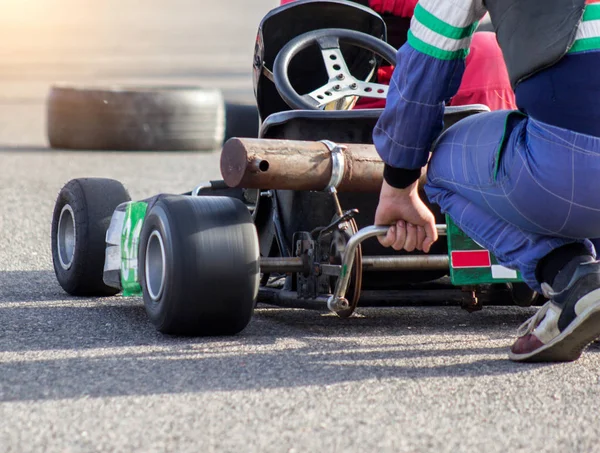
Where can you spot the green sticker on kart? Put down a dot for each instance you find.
(130, 241)
(471, 264)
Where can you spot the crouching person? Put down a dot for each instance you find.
(522, 183)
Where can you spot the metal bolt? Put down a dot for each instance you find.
(340, 76)
(354, 86)
(337, 87)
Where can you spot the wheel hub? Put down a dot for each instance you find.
(66, 236)
(155, 265)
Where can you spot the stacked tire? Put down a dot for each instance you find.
(145, 119)
(135, 118)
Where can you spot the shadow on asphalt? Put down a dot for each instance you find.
(68, 347)
(23, 286)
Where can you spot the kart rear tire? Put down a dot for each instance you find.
(241, 120)
(81, 217)
(199, 265)
(135, 118)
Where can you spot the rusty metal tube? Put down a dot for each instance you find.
(298, 165)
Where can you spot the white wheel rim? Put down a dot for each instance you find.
(155, 265)
(66, 237)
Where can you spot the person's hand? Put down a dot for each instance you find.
(412, 223)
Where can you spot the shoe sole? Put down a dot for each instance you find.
(569, 345)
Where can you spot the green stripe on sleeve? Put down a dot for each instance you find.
(592, 12)
(581, 45)
(441, 27)
(435, 52)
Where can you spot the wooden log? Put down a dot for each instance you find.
(298, 165)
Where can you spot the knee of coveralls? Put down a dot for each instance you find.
(462, 182)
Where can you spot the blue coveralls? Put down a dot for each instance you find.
(521, 183)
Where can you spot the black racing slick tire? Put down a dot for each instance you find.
(241, 120)
(135, 118)
(81, 217)
(199, 265)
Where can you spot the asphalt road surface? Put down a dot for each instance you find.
(87, 375)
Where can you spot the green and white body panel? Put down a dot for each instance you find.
(471, 264)
(122, 247)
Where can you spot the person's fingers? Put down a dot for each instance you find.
(432, 236)
(389, 238)
(427, 243)
(411, 237)
(400, 235)
(421, 235)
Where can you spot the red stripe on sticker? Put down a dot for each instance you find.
(471, 258)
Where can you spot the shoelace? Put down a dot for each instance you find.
(529, 326)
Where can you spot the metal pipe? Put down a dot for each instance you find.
(290, 299)
(405, 263)
(338, 298)
(370, 264)
(426, 296)
(300, 165)
(282, 265)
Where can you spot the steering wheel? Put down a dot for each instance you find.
(341, 83)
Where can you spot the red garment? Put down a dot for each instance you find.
(485, 80)
(402, 8)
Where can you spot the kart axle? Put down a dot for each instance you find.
(282, 265)
(370, 264)
(405, 263)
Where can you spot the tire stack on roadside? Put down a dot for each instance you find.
(145, 118)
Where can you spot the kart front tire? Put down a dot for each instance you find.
(199, 265)
(81, 217)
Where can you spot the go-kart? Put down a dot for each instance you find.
(290, 223)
